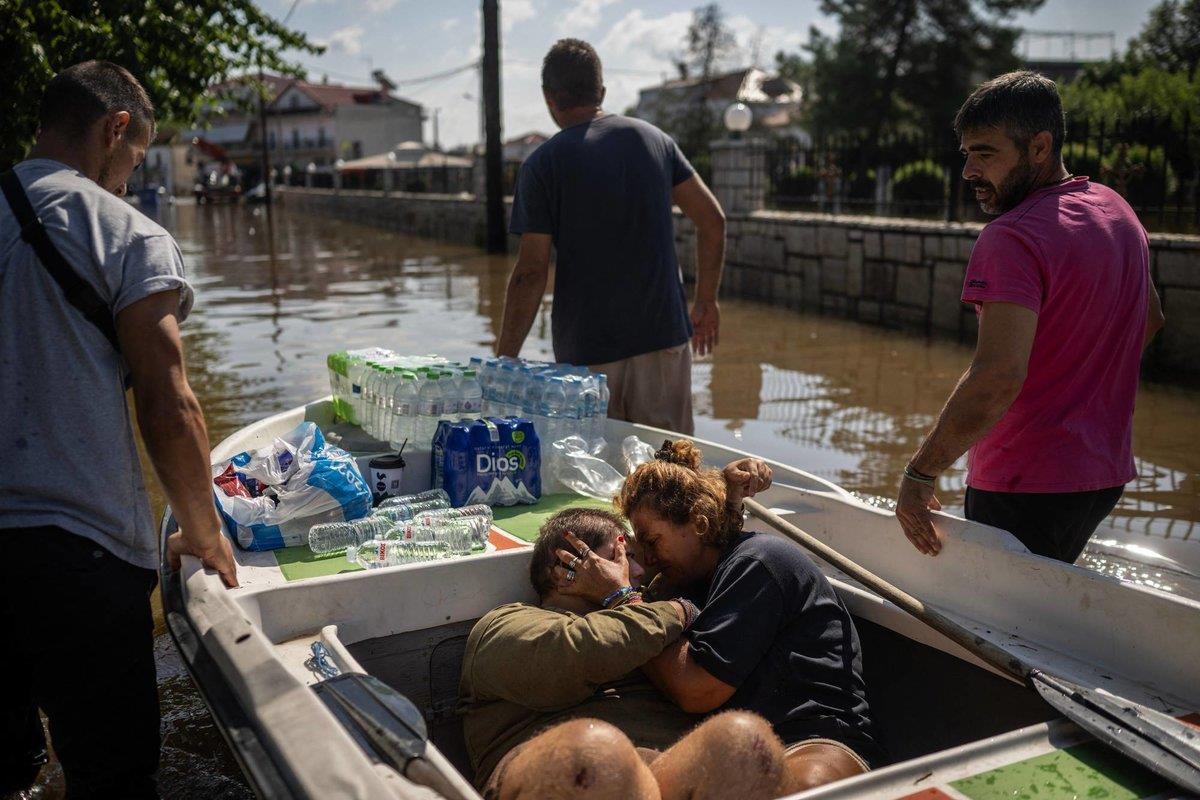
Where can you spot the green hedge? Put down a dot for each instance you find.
(919, 182)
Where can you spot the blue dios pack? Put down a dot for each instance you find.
(496, 461)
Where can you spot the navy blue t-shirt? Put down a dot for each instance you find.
(602, 190)
(773, 628)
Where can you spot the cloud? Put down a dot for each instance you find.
(451, 23)
(514, 12)
(583, 16)
(346, 40)
(375, 6)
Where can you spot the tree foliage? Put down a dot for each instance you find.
(900, 66)
(176, 48)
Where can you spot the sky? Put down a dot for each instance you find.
(411, 39)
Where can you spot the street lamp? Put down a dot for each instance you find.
(309, 172)
(337, 174)
(287, 175)
(389, 173)
(737, 119)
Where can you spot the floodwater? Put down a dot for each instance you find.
(845, 401)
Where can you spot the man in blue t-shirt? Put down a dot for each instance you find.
(600, 192)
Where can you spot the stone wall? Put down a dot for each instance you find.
(891, 272)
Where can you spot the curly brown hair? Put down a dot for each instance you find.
(675, 487)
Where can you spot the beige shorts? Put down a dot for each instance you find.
(798, 748)
(652, 389)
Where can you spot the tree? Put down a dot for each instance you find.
(900, 65)
(706, 43)
(1170, 39)
(176, 49)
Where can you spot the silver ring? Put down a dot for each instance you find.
(585, 552)
(570, 575)
(575, 562)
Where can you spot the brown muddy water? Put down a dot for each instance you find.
(845, 401)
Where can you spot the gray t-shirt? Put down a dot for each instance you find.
(68, 456)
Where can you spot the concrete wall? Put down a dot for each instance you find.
(891, 272)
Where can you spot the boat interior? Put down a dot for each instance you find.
(407, 626)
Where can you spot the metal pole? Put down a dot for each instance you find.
(262, 126)
(497, 239)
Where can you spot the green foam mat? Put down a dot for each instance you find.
(1088, 770)
(298, 563)
(524, 521)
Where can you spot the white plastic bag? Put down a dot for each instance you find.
(302, 481)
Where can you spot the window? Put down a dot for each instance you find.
(296, 138)
(321, 136)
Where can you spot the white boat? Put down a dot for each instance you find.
(954, 726)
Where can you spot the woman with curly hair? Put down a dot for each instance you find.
(772, 636)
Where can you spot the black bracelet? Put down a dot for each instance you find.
(920, 477)
(690, 612)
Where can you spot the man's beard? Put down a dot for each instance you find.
(1015, 187)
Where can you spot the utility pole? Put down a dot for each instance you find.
(436, 145)
(497, 238)
(266, 153)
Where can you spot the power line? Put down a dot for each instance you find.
(437, 75)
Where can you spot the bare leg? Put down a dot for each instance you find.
(817, 763)
(733, 754)
(582, 758)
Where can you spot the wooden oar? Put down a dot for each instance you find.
(1157, 741)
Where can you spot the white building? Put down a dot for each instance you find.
(774, 101)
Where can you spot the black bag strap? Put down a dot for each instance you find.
(78, 292)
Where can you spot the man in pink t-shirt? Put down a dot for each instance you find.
(1061, 282)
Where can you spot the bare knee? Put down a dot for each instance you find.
(583, 758)
(748, 739)
(733, 754)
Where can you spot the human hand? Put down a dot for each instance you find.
(587, 575)
(706, 326)
(913, 503)
(213, 550)
(744, 478)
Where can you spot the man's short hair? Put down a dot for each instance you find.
(1022, 104)
(571, 74)
(594, 527)
(79, 95)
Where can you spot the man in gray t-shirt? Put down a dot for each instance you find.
(78, 548)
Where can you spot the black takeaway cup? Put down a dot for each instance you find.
(386, 474)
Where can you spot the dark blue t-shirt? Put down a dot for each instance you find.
(773, 628)
(602, 190)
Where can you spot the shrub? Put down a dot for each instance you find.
(1141, 173)
(919, 183)
(800, 182)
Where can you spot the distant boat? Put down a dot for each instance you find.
(954, 726)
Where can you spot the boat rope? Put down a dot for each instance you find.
(322, 662)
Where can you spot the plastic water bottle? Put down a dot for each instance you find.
(531, 401)
(332, 537)
(429, 410)
(392, 552)
(471, 395)
(501, 386)
(478, 517)
(404, 410)
(602, 398)
(381, 414)
(457, 533)
(572, 410)
(451, 394)
(516, 392)
(419, 497)
(554, 410)
(402, 512)
(589, 402)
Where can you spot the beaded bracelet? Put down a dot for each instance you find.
(633, 598)
(613, 600)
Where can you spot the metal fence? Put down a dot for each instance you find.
(1154, 162)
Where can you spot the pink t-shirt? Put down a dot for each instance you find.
(1076, 254)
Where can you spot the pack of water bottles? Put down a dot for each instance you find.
(405, 530)
(496, 461)
(561, 400)
(397, 398)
